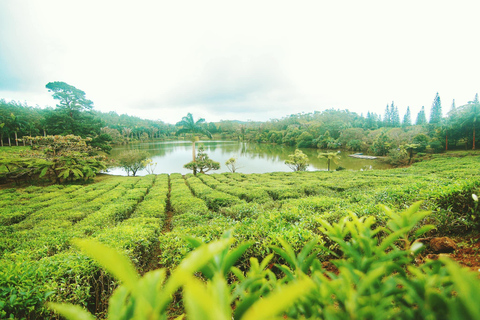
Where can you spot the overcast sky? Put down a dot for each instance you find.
(244, 59)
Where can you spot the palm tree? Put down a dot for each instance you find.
(330, 156)
(194, 128)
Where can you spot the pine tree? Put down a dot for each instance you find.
(370, 121)
(436, 111)
(407, 118)
(421, 118)
(387, 119)
(395, 116)
(453, 108)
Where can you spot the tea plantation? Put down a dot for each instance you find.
(147, 218)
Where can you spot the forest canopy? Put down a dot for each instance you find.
(327, 129)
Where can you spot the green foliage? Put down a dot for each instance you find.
(189, 125)
(436, 111)
(330, 156)
(202, 162)
(149, 165)
(232, 164)
(297, 161)
(376, 279)
(213, 198)
(421, 117)
(421, 140)
(147, 218)
(355, 145)
(397, 157)
(61, 158)
(133, 160)
(102, 142)
(382, 144)
(73, 113)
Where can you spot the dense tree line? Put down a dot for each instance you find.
(329, 129)
(342, 129)
(74, 114)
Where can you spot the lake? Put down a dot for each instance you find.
(170, 157)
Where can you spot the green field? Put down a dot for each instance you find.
(148, 217)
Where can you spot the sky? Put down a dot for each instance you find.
(242, 60)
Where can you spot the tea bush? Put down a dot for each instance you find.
(376, 280)
(148, 217)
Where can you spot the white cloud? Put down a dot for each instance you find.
(225, 60)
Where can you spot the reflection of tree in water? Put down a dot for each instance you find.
(154, 149)
(250, 155)
(264, 151)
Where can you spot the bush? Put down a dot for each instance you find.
(397, 157)
(297, 161)
(132, 160)
(377, 279)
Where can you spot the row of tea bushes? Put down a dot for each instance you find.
(48, 226)
(45, 267)
(187, 213)
(248, 191)
(17, 205)
(213, 198)
(138, 235)
(134, 214)
(183, 201)
(376, 280)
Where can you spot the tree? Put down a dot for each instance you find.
(422, 141)
(407, 118)
(397, 157)
(297, 161)
(466, 117)
(194, 128)
(410, 148)
(395, 116)
(436, 111)
(371, 122)
(66, 157)
(475, 108)
(202, 163)
(382, 144)
(71, 99)
(16, 124)
(330, 156)
(305, 140)
(421, 118)
(2, 124)
(452, 109)
(387, 119)
(73, 113)
(102, 142)
(149, 165)
(133, 160)
(232, 164)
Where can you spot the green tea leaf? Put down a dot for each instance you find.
(234, 255)
(70, 311)
(194, 261)
(200, 304)
(424, 230)
(111, 260)
(279, 300)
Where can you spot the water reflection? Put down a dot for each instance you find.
(170, 157)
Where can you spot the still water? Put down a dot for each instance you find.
(170, 156)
